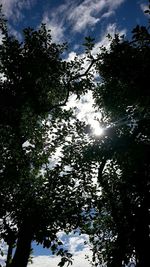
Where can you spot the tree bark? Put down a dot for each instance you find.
(9, 255)
(23, 247)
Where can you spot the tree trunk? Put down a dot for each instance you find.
(9, 255)
(23, 246)
(143, 240)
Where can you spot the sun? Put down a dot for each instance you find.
(97, 129)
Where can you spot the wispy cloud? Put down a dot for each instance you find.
(14, 8)
(144, 7)
(89, 13)
(77, 16)
(55, 20)
(104, 40)
(56, 26)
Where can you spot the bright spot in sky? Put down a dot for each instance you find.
(97, 129)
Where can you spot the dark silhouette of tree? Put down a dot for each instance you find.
(39, 196)
(121, 228)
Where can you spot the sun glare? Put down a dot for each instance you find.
(97, 129)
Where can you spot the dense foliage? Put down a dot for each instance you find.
(48, 161)
(40, 193)
(121, 231)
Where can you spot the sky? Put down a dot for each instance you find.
(72, 21)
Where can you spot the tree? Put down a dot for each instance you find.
(121, 230)
(39, 196)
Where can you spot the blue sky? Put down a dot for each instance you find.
(71, 21)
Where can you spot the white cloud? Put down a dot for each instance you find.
(71, 56)
(79, 258)
(86, 13)
(77, 17)
(45, 261)
(52, 261)
(104, 40)
(108, 14)
(13, 8)
(83, 15)
(75, 244)
(144, 7)
(56, 27)
(56, 20)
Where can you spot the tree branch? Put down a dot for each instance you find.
(94, 60)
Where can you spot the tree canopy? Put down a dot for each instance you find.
(121, 230)
(40, 194)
